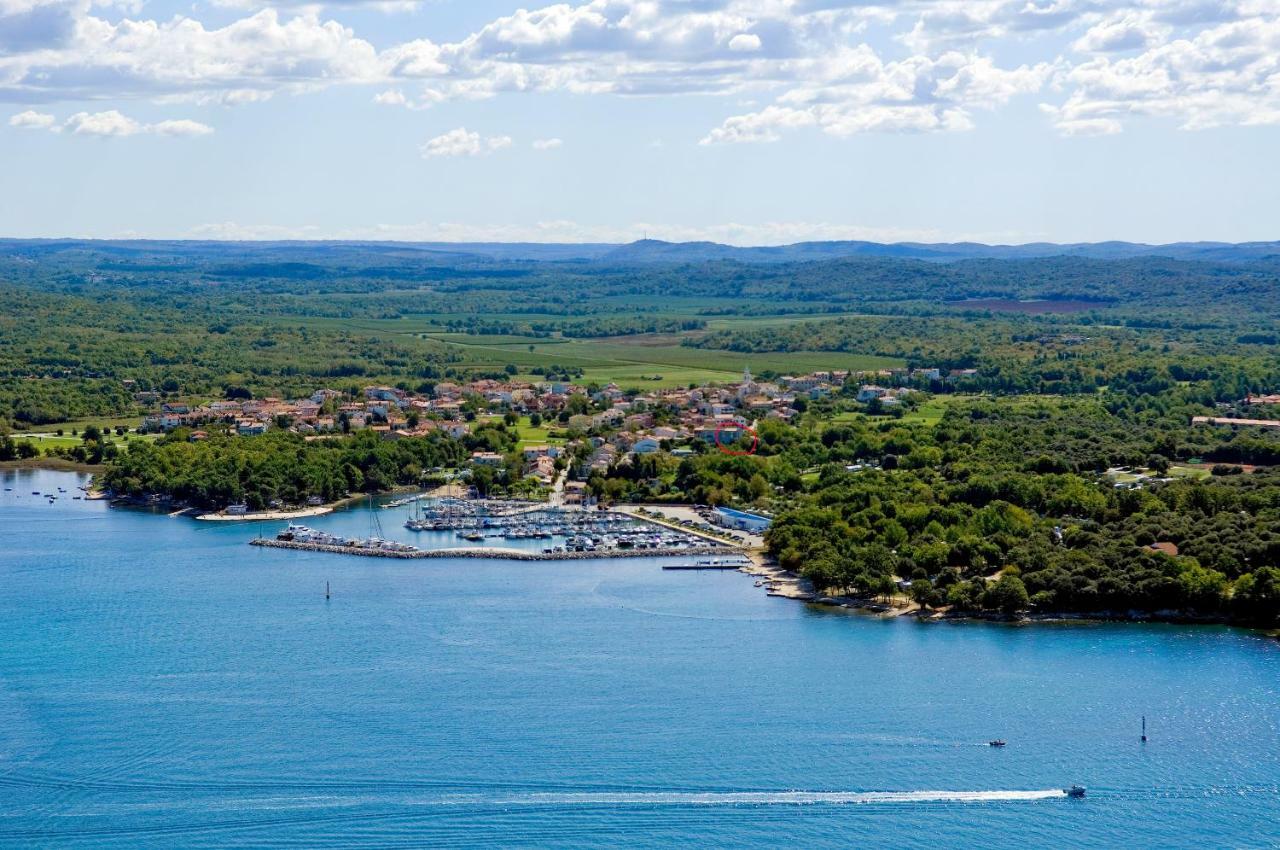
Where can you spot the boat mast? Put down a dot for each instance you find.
(375, 524)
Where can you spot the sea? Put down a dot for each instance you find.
(165, 684)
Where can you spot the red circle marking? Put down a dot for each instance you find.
(755, 438)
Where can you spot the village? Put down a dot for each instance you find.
(576, 430)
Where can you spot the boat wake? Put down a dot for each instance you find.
(769, 798)
(414, 811)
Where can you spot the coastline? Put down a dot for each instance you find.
(789, 585)
(56, 464)
(776, 581)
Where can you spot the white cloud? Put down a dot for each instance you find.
(1228, 74)
(390, 97)
(180, 56)
(461, 142)
(109, 123)
(233, 231)
(855, 92)
(810, 63)
(32, 120)
(546, 144)
(763, 126)
(1081, 126)
(181, 127)
(387, 6)
(732, 233)
(396, 97)
(1124, 31)
(112, 123)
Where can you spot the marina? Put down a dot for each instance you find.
(568, 534)
(363, 548)
(566, 529)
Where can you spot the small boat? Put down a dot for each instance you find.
(1075, 791)
(996, 743)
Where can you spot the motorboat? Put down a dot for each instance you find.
(996, 743)
(1075, 791)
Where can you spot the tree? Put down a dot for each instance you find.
(1008, 594)
(922, 593)
(1256, 596)
(482, 479)
(965, 595)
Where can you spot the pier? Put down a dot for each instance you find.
(722, 566)
(497, 552)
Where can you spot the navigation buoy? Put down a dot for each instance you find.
(1144, 728)
(326, 596)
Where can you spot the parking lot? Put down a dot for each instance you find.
(688, 517)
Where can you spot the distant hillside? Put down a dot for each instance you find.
(645, 251)
(320, 250)
(656, 251)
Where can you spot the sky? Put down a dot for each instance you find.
(740, 121)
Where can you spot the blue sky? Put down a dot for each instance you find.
(744, 121)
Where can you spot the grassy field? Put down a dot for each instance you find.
(929, 414)
(493, 339)
(531, 436)
(645, 361)
(49, 439)
(642, 361)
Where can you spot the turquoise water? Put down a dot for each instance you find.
(162, 684)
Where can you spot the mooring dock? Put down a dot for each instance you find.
(496, 552)
(721, 566)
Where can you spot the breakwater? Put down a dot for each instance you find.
(491, 552)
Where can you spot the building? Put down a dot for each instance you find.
(741, 520)
(870, 391)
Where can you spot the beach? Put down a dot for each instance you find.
(220, 516)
